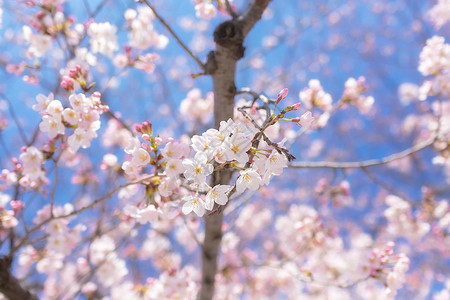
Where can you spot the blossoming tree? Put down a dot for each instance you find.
(112, 188)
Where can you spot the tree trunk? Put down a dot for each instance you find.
(9, 285)
(221, 65)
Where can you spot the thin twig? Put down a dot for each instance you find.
(230, 10)
(165, 24)
(14, 117)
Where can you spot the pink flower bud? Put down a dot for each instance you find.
(282, 94)
(73, 73)
(17, 205)
(158, 141)
(296, 106)
(67, 83)
(146, 127)
(97, 94)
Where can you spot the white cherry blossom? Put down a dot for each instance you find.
(236, 148)
(217, 195)
(249, 179)
(52, 125)
(174, 167)
(195, 204)
(198, 168)
(43, 102)
(140, 157)
(80, 138)
(70, 116)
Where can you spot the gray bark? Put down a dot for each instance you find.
(221, 65)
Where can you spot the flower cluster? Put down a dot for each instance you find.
(440, 13)
(435, 61)
(228, 146)
(83, 116)
(103, 38)
(142, 32)
(196, 108)
(32, 160)
(301, 228)
(230, 143)
(205, 9)
(40, 43)
(339, 194)
(353, 94)
(380, 268)
(315, 96)
(435, 56)
(8, 216)
(111, 268)
(61, 240)
(140, 152)
(401, 221)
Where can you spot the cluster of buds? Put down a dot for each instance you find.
(76, 75)
(140, 152)
(353, 94)
(143, 62)
(388, 268)
(304, 120)
(339, 194)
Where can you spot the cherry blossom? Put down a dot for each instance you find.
(205, 9)
(440, 13)
(217, 195)
(198, 168)
(248, 179)
(315, 96)
(103, 38)
(195, 204)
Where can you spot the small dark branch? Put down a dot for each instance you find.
(280, 150)
(9, 285)
(88, 9)
(247, 116)
(34, 137)
(165, 24)
(98, 8)
(230, 10)
(255, 95)
(365, 163)
(111, 115)
(383, 185)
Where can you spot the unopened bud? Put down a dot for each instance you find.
(292, 107)
(282, 94)
(146, 127)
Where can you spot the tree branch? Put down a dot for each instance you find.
(365, 163)
(252, 15)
